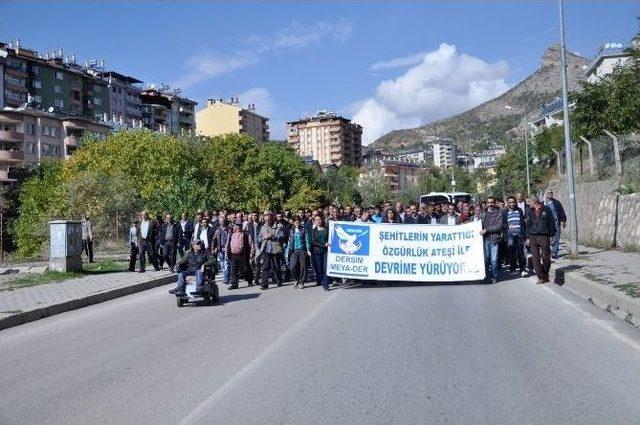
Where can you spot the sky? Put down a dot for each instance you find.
(386, 65)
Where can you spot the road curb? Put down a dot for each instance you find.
(607, 298)
(53, 309)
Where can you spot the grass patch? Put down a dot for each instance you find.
(33, 279)
(631, 289)
(598, 279)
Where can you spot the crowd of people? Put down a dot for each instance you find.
(282, 246)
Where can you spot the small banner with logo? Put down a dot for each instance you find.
(406, 252)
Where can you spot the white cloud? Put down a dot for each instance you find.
(204, 66)
(444, 83)
(261, 97)
(399, 62)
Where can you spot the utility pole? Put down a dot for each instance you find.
(526, 153)
(573, 217)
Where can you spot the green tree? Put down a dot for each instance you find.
(373, 186)
(342, 185)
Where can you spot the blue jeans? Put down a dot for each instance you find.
(491, 257)
(182, 282)
(555, 240)
(224, 266)
(320, 267)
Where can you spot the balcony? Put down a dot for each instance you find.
(11, 156)
(11, 136)
(4, 177)
(71, 141)
(19, 72)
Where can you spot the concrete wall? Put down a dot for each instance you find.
(605, 219)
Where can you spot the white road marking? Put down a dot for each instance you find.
(200, 411)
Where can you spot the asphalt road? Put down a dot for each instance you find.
(511, 353)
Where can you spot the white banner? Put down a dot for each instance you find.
(406, 252)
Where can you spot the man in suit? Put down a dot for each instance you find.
(146, 241)
(170, 235)
(186, 227)
(451, 218)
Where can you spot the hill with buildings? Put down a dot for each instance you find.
(499, 118)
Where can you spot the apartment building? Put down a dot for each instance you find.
(444, 153)
(610, 56)
(29, 134)
(52, 81)
(328, 138)
(124, 99)
(223, 117)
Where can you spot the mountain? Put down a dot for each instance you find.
(495, 118)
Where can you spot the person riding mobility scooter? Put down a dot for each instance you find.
(196, 262)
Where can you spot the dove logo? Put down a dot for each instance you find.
(350, 239)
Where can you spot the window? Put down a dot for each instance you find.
(45, 148)
(46, 130)
(119, 90)
(97, 101)
(59, 103)
(37, 84)
(59, 75)
(55, 150)
(97, 89)
(30, 148)
(31, 128)
(55, 131)
(37, 98)
(36, 70)
(114, 89)
(57, 89)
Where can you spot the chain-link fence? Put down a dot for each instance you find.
(596, 159)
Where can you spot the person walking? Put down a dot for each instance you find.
(300, 248)
(158, 240)
(220, 238)
(170, 234)
(87, 237)
(133, 245)
(272, 235)
(513, 220)
(319, 249)
(492, 230)
(186, 227)
(238, 250)
(146, 241)
(559, 217)
(540, 227)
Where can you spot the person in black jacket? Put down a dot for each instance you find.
(540, 227)
(414, 217)
(492, 232)
(194, 263)
(186, 227)
(559, 217)
(169, 237)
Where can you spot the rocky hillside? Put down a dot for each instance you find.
(495, 118)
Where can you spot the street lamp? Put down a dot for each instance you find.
(567, 138)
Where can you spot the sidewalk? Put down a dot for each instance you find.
(27, 304)
(608, 278)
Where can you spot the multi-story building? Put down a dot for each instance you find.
(27, 135)
(610, 56)
(53, 82)
(444, 153)
(487, 158)
(223, 117)
(399, 175)
(328, 138)
(124, 99)
(183, 119)
(420, 156)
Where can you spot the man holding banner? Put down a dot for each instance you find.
(412, 252)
